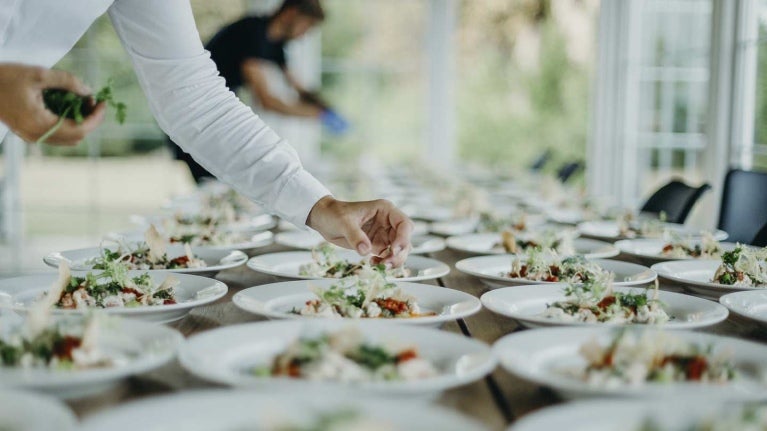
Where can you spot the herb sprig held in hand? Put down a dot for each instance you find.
(67, 104)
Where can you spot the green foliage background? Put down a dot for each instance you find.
(375, 73)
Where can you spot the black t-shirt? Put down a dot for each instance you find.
(242, 40)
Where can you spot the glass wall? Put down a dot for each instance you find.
(673, 74)
(525, 74)
(760, 116)
(373, 72)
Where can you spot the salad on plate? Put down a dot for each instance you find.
(595, 301)
(630, 227)
(147, 255)
(492, 222)
(365, 295)
(548, 266)
(326, 264)
(110, 288)
(345, 356)
(43, 342)
(743, 267)
(55, 346)
(208, 236)
(635, 359)
(516, 243)
(707, 248)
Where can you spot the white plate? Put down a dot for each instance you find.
(537, 355)
(429, 213)
(286, 265)
(454, 227)
(151, 346)
(571, 216)
(489, 269)
(307, 240)
(649, 250)
(626, 414)
(248, 410)
(751, 304)
(420, 227)
(223, 355)
(489, 243)
(526, 304)
(276, 300)
(425, 244)
(608, 230)
(28, 411)
(216, 260)
(192, 291)
(257, 239)
(695, 276)
(300, 239)
(256, 222)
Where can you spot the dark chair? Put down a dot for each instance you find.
(676, 199)
(541, 161)
(744, 204)
(568, 170)
(760, 240)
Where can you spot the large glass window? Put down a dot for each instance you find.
(525, 72)
(673, 86)
(373, 64)
(760, 115)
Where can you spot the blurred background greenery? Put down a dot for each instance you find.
(523, 84)
(520, 88)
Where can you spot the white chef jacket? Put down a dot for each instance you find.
(186, 95)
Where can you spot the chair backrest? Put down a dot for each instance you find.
(568, 170)
(744, 204)
(676, 199)
(760, 240)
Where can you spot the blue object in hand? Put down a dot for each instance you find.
(335, 123)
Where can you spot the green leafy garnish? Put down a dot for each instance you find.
(372, 357)
(730, 257)
(68, 105)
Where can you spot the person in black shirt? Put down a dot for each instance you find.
(242, 49)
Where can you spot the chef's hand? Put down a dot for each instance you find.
(23, 111)
(372, 227)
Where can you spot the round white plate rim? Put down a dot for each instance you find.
(434, 384)
(493, 301)
(663, 271)
(238, 258)
(729, 299)
(49, 407)
(119, 418)
(581, 334)
(267, 239)
(583, 228)
(454, 243)
(254, 263)
(625, 246)
(147, 361)
(38, 280)
(241, 300)
(461, 265)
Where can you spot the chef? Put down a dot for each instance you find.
(247, 50)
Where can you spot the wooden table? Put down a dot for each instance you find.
(496, 401)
